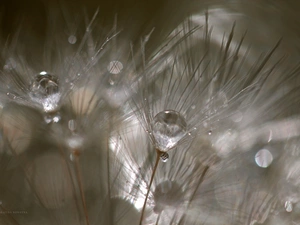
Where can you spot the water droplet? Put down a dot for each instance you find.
(45, 91)
(72, 157)
(164, 157)
(72, 125)
(10, 95)
(263, 158)
(10, 64)
(210, 132)
(52, 118)
(72, 39)
(111, 82)
(115, 67)
(288, 205)
(168, 127)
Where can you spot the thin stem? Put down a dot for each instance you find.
(81, 188)
(158, 154)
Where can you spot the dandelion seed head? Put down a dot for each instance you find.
(168, 128)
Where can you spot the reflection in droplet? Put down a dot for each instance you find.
(115, 67)
(45, 91)
(263, 158)
(169, 127)
(288, 205)
(164, 157)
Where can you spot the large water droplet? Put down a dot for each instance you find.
(45, 91)
(169, 127)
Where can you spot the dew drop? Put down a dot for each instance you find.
(72, 157)
(72, 39)
(115, 67)
(210, 132)
(75, 141)
(164, 157)
(45, 91)
(168, 127)
(288, 205)
(52, 118)
(72, 125)
(263, 158)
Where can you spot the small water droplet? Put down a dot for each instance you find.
(10, 64)
(111, 82)
(168, 127)
(72, 157)
(72, 125)
(72, 39)
(164, 157)
(288, 205)
(52, 118)
(45, 90)
(210, 132)
(263, 158)
(115, 67)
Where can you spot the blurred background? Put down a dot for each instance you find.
(241, 191)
